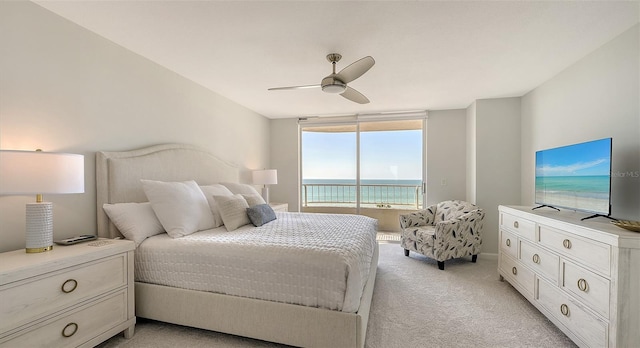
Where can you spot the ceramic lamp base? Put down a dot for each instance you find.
(265, 194)
(39, 236)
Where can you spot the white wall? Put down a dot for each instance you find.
(65, 89)
(446, 155)
(497, 179)
(284, 158)
(471, 153)
(597, 97)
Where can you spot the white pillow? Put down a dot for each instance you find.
(233, 210)
(180, 206)
(136, 221)
(242, 189)
(254, 199)
(215, 190)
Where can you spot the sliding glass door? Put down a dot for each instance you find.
(354, 165)
(391, 166)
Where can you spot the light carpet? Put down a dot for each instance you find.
(414, 305)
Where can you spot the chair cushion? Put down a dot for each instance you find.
(419, 234)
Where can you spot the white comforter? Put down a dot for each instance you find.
(316, 260)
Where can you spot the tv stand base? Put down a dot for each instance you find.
(544, 205)
(596, 215)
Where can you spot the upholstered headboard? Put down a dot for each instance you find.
(118, 174)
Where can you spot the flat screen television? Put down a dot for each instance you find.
(576, 177)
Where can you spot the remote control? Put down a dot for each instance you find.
(77, 239)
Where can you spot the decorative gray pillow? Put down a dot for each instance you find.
(261, 214)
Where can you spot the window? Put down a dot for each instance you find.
(360, 164)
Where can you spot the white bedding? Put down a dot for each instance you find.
(316, 260)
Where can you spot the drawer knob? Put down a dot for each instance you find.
(582, 284)
(564, 309)
(566, 243)
(515, 224)
(536, 258)
(514, 271)
(508, 242)
(70, 330)
(69, 285)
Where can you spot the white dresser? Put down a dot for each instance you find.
(583, 275)
(72, 296)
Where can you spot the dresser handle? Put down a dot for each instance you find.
(582, 284)
(564, 309)
(514, 271)
(74, 327)
(73, 287)
(536, 258)
(508, 242)
(566, 243)
(515, 224)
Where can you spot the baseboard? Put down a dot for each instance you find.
(489, 256)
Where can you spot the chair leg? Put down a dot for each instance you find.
(474, 258)
(406, 252)
(441, 265)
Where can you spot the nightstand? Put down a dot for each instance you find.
(279, 206)
(77, 295)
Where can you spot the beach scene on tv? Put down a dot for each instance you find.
(575, 177)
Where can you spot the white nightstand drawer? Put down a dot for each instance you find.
(590, 329)
(540, 260)
(592, 253)
(80, 325)
(36, 297)
(522, 227)
(591, 288)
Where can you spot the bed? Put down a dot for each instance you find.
(339, 322)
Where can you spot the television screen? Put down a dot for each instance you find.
(575, 177)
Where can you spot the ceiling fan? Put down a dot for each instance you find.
(337, 83)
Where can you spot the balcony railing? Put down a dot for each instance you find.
(374, 195)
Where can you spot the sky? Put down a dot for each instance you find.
(389, 155)
(590, 158)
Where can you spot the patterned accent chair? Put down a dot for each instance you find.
(443, 231)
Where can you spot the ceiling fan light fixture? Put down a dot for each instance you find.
(332, 85)
(334, 88)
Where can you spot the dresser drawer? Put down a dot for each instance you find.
(77, 326)
(591, 288)
(509, 243)
(522, 227)
(37, 297)
(589, 328)
(520, 274)
(540, 260)
(592, 253)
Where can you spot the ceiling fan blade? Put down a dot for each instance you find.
(354, 96)
(356, 69)
(293, 87)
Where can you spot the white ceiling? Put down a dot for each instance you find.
(429, 55)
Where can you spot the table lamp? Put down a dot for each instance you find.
(37, 172)
(265, 177)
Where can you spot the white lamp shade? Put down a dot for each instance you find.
(265, 177)
(37, 172)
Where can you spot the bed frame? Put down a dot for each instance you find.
(118, 177)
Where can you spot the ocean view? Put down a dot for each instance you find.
(382, 193)
(589, 192)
